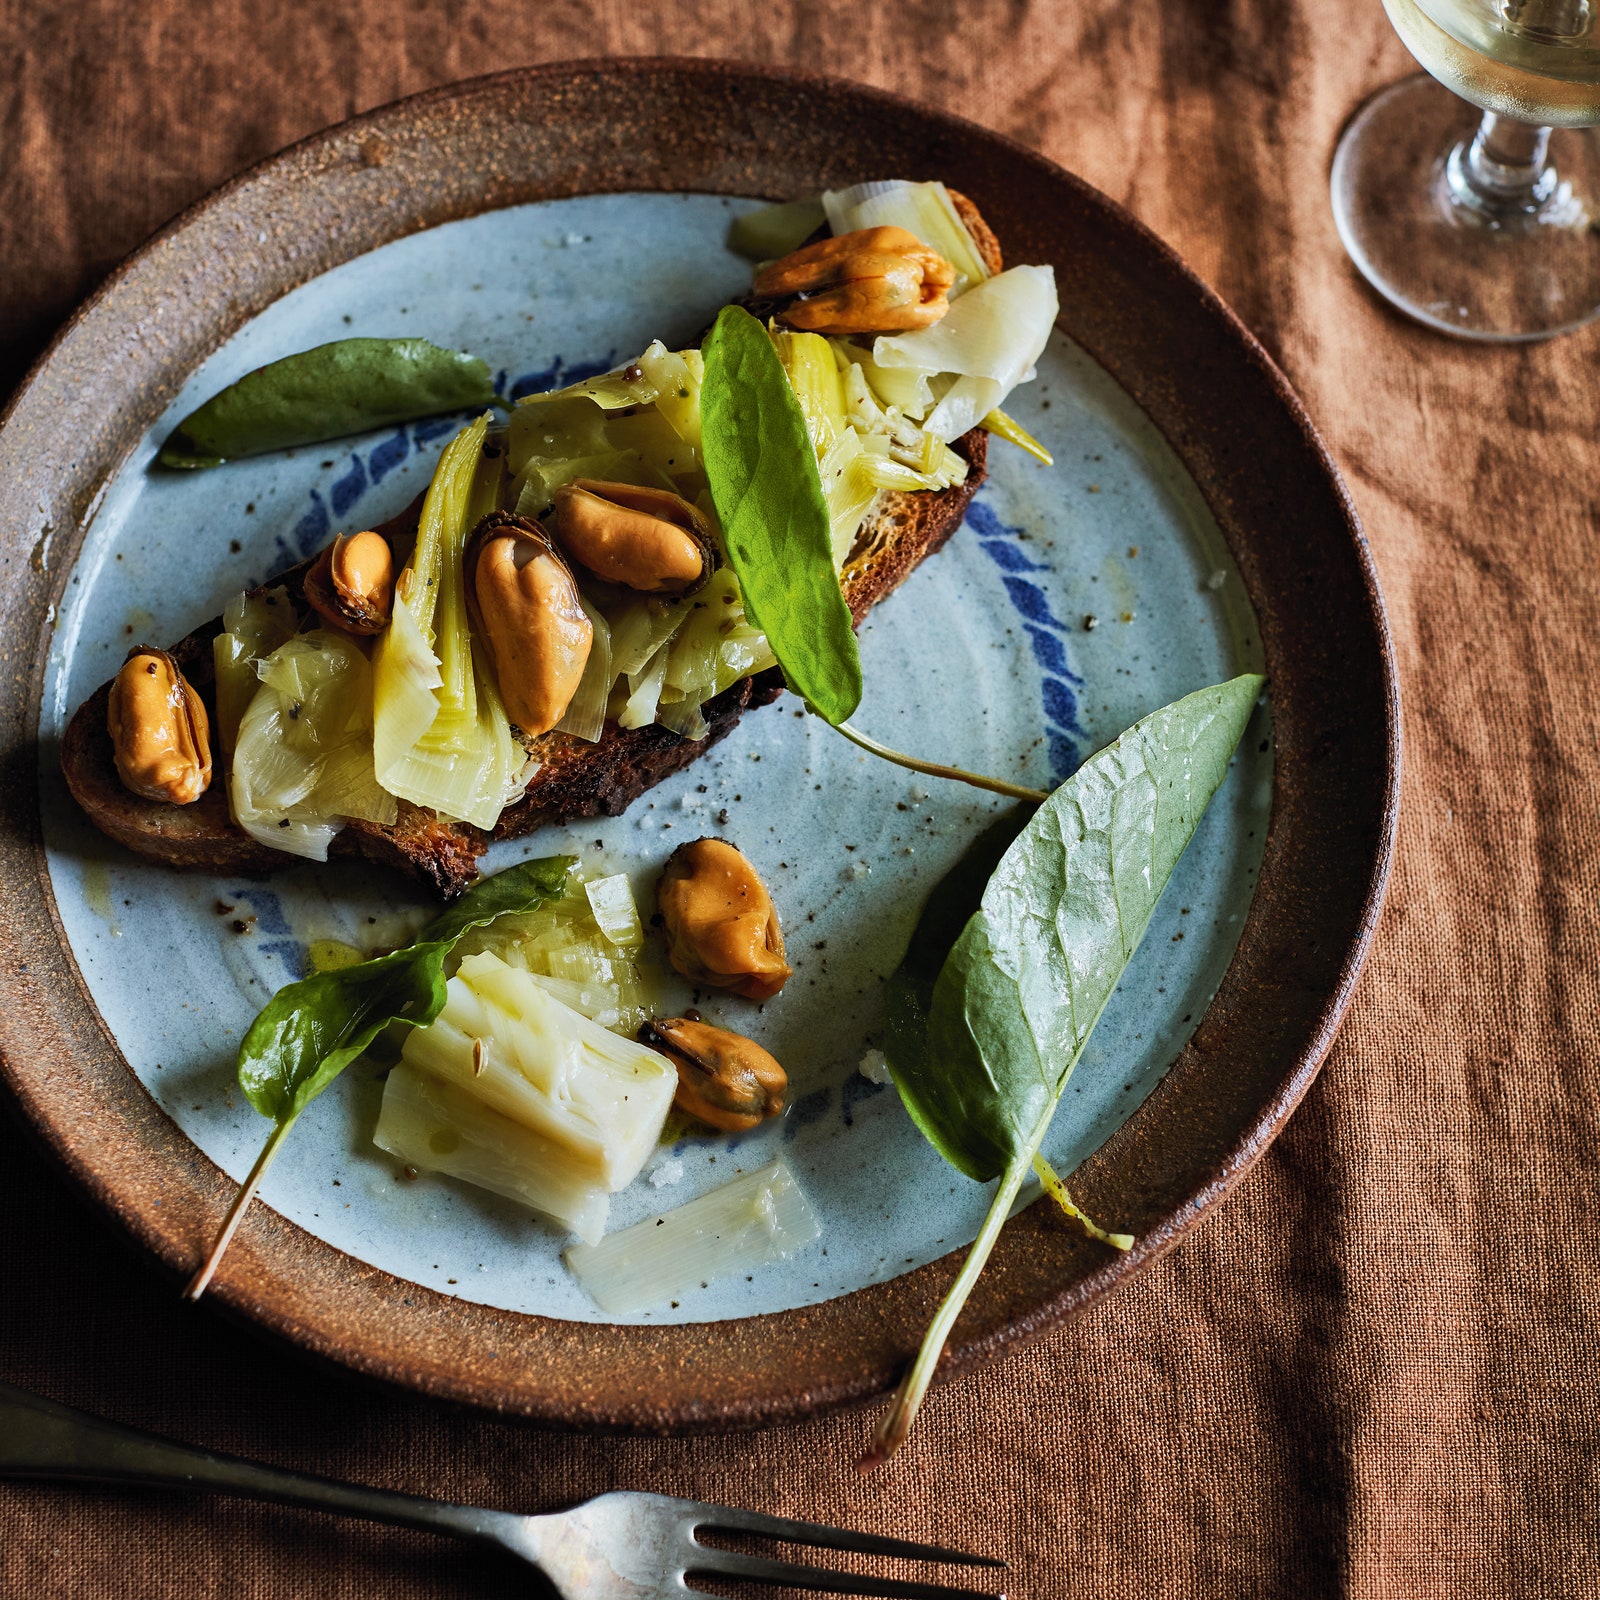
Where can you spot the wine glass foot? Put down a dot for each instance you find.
(1461, 244)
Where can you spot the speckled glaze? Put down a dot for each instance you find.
(1231, 421)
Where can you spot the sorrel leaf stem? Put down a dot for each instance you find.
(936, 769)
(896, 1422)
(196, 1286)
(310, 1031)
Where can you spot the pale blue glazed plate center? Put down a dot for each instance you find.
(986, 658)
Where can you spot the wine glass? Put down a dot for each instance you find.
(1490, 234)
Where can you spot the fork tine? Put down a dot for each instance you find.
(729, 1519)
(712, 1563)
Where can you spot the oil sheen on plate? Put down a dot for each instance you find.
(1076, 599)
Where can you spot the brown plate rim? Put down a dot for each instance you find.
(1328, 853)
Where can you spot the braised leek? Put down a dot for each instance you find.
(253, 626)
(302, 764)
(442, 737)
(506, 1041)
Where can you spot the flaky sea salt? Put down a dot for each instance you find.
(874, 1067)
(666, 1174)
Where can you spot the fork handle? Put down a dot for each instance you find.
(39, 1439)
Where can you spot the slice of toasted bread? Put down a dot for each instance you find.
(575, 778)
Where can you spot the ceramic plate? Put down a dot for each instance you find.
(555, 222)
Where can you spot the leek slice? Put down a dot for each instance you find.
(272, 776)
(676, 378)
(253, 626)
(692, 656)
(444, 511)
(884, 472)
(1008, 428)
(742, 653)
(441, 1127)
(774, 231)
(508, 1041)
(442, 738)
(615, 914)
(905, 388)
(611, 391)
(586, 712)
(755, 1220)
(639, 628)
(556, 427)
(648, 433)
(849, 492)
(475, 786)
(862, 407)
(913, 448)
(813, 374)
(989, 340)
(476, 1048)
(349, 788)
(644, 693)
(684, 717)
(454, 727)
(658, 374)
(585, 964)
(924, 209)
(586, 960)
(303, 761)
(405, 673)
(619, 1005)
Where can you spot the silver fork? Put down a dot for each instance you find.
(619, 1546)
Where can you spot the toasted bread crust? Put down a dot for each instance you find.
(982, 234)
(576, 779)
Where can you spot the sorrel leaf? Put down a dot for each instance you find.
(348, 386)
(768, 495)
(1031, 972)
(310, 1031)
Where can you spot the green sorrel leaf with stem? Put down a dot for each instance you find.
(310, 1031)
(1031, 971)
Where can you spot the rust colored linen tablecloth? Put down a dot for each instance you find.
(1373, 1373)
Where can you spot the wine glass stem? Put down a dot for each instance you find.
(1505, 170)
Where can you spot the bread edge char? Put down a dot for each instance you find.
(576, 779)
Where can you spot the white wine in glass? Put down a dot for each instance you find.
(1487, 233)
(1535, 63)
